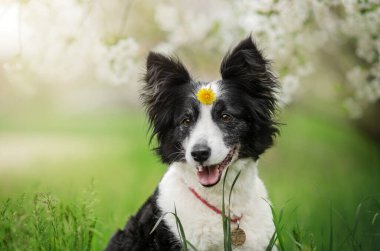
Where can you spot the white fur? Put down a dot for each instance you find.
(207, 132)
(203, 227)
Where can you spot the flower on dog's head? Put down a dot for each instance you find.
(206, 96)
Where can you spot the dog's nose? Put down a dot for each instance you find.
(200, 152)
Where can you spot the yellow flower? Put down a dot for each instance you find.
(206, 96)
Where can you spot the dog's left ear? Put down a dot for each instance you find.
(246, 66)
(246, 70)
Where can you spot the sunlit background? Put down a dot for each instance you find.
(73, 134)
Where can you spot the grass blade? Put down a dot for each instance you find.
(272, 242)
(226, 233)
(180, 230)
(295, 241)
(227, 219)
(232, 187)
(374, 218)
(191, 245)
(331, 242)
(158, 222)
(278, 227)
(297, 237)
(229, 211)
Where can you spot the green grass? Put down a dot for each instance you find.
(44, 222)
(319, 172)
(116, 157)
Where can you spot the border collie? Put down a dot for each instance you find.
(203, 129)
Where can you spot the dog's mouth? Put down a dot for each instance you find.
(210, 175)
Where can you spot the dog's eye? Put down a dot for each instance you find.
(186, 122)
(226, 118)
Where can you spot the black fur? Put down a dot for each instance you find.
(251, 88)
(244, 113)
(136, 234)
(165, 96)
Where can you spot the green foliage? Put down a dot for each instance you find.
(361, 232)
(43, 222)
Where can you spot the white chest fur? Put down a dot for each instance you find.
(203, 227)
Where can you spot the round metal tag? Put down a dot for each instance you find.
(237, 236)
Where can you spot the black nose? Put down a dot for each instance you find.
(200, 152)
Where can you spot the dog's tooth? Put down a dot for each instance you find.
(200, 168)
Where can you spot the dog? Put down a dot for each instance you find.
(203, 129)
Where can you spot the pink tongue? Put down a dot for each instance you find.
(208, 176)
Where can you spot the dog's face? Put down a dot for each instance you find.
(209, 136)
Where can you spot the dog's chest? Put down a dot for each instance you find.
(203, 226)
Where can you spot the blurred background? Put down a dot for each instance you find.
(73, 130)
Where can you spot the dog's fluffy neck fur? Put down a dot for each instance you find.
(203, 227)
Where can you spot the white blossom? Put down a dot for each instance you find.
(120, 64)
(353, 108)
(290, 84)
(165, 48)
(167, 17)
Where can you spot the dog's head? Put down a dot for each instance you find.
(210, 125)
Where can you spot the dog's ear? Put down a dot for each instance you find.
(166, 80)
(162, 70)
(245, 70)
(163, 74)
(246, 65)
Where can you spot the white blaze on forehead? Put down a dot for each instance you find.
(206, 131)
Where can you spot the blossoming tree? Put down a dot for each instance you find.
(90, 36)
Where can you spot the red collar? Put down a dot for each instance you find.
(213, 208)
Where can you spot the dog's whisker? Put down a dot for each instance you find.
(175, 155)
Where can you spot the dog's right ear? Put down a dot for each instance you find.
(164, 72)
(162, 75)
(165, 79)
(162, 78)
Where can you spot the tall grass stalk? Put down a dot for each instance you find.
(184, 242)
(227, 219)
(43, 222)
